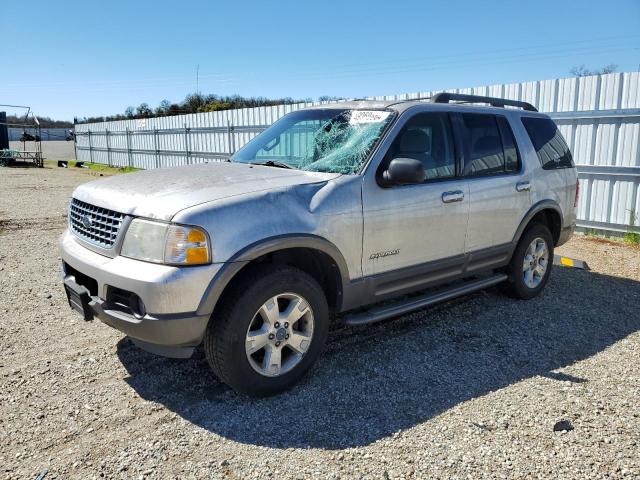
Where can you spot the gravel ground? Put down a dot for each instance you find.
(472, 388)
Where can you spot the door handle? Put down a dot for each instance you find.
(455, 196)
(523, 186)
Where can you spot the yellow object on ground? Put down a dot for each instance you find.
(569, 262)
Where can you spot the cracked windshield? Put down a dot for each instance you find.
(331, 140)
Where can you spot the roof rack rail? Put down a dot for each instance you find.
(404, 100)
(446, 97)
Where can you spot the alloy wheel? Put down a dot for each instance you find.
(279, 334)
(536, 260)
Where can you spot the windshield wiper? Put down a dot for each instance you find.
(272, 163)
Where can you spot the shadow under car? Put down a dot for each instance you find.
(375, 380)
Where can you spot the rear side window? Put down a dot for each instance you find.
(547, 140)
(490, 146)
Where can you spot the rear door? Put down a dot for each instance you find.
(499, 186)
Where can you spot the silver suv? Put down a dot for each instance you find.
(364, 209)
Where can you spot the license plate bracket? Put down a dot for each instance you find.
(79, 299)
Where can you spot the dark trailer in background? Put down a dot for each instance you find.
(8, 155)
(4, 132)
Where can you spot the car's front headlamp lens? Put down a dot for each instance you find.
(145, 240)
(166, 243)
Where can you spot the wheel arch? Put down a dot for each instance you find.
(313, 254)
(545, 211)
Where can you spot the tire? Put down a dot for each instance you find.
(250, 311)
(525, 285)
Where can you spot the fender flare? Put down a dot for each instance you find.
(535, 209)
(262, 247)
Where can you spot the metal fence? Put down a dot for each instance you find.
(598, 115)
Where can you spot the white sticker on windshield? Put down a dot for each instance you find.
(359, 117)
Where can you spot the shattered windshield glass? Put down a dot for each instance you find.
(323, 140)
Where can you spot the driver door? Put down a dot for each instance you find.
(414, 235)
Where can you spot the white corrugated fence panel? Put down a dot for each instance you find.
(607, 143)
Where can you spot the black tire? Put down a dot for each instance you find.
(516, 285)
(224, 340)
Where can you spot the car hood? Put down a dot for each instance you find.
(161, 193)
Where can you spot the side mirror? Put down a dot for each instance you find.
(404, 171)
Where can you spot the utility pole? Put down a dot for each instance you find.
(198, 79)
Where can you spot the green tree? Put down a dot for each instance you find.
(194, 103)
(163, 108)
(143, 110)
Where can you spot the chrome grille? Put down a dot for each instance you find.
(95, 224)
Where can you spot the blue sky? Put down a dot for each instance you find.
(82, 58)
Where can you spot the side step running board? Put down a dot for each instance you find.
(377, 314)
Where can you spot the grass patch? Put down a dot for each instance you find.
(631, 238)
(97, 167)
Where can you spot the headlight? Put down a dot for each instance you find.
(166, 243)
(145, 240)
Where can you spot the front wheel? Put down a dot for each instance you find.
(531, 263)
(269, 332)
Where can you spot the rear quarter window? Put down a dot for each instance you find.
(548, 142)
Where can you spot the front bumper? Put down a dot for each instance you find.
(171, 296)
(173, 336)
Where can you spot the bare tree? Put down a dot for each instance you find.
(583, 71)
(329, 98)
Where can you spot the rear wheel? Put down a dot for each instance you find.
(531, 263)
(269, 332)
